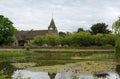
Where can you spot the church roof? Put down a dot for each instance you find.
(52, 24)
(21, 35)
(32, 34)
(27, 35)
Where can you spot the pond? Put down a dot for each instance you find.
(107, 69)
(45, 75)
(59, 64)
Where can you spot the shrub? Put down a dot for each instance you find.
(27, 48)
(38, 40)
(66, 45)
(65, 40)
(81, 39)
(52, 39)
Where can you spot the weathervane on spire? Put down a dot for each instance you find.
(52, 13)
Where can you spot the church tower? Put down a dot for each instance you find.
(52, 27)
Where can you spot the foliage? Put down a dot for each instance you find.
(2, 76)
(110, 39)
(66, 41)
(27, 48)
(116, 27)
(80, 29)
(52, 39)
(99, 39)
(49, 39)
(116, 30)
(6, 70)
(7, 31)
(62, 34)
(117, 47)
(81, 39)
(104, 40)
(38, 40)
(99, 28)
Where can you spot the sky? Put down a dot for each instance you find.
(69, 15)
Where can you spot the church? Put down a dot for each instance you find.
(23, 37)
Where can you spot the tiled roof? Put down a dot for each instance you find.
(27, 35)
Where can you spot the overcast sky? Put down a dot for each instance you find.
(69, 15)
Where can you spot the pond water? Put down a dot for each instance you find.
(109, 69)
(45, 75)
(80, 70)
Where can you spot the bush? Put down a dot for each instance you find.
(81, 39)
(52, 40)
(38, 40)
(65, 40)
(27, 48)
(110, 39)
(66, 45)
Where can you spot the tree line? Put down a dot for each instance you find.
(75, 39)
(98, 35)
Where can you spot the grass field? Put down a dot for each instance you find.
(54, 56)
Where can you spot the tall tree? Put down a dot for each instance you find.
(116, 27)
(99, 28)
(116, 30)
(7, 30)
(63, 34)
(80, 29)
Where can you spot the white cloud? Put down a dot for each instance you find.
(68, 14)
(112, 13)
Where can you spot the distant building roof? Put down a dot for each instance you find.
(32, 34)
(21, 35)
(27, 35)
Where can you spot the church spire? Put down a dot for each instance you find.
(52, 23)
(52, 27)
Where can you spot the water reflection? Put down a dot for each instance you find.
(21, 74)
(45, 75)
(101, 75)
(52, 75)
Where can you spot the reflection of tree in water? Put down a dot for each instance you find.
(74, 77)
(6, 69)
(52, 75)
(118, 69)
(101, 75)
